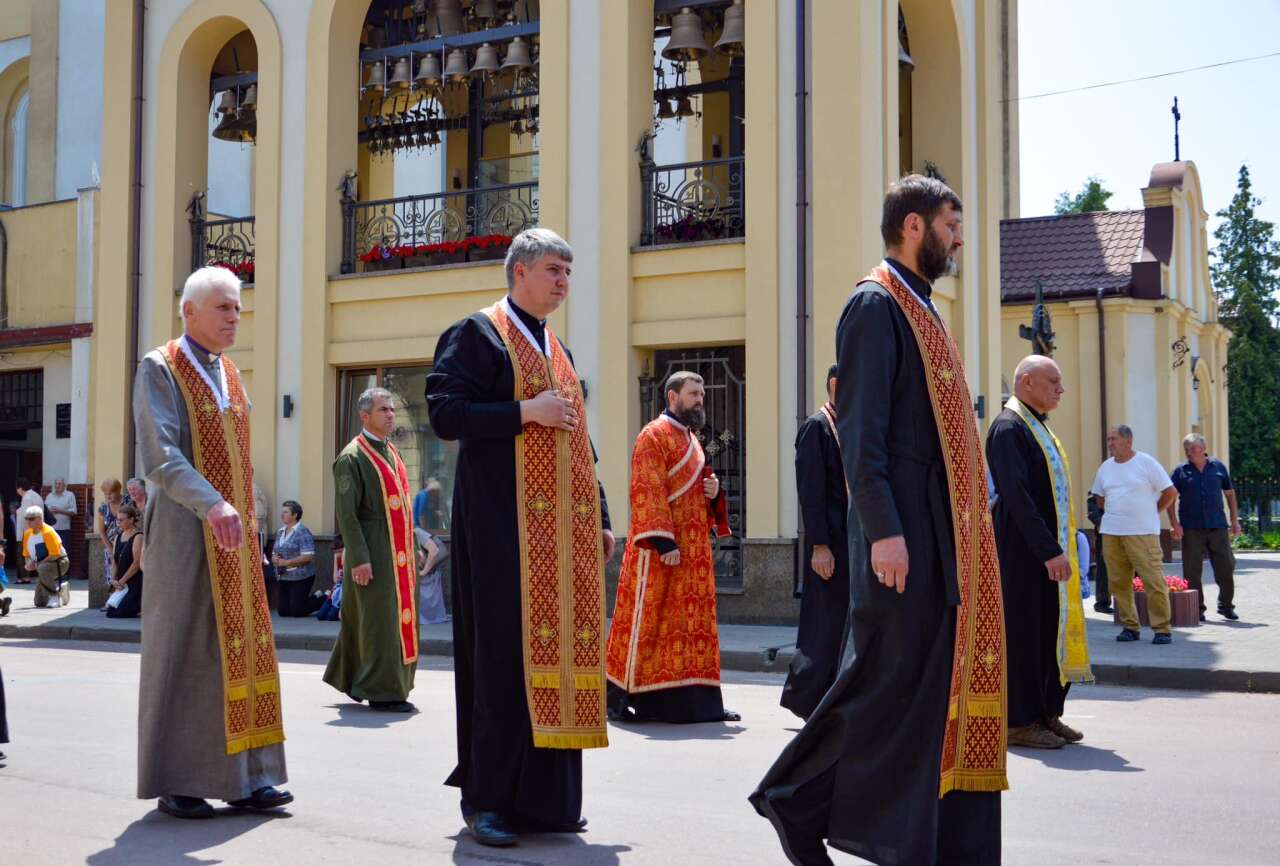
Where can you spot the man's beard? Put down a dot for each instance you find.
(694, 417)
(934, 258)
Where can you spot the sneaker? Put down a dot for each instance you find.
(53, 602)
(1127, 635)
(64, 594)
(1162, 638)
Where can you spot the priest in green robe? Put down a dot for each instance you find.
(377, 650)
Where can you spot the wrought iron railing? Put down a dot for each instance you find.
(227, 242)
(1259, 504)
(692, 201)
(419, 220)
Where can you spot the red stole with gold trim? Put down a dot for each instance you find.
(220, 446)
(561, 554)
(975, 741)
(394, 482)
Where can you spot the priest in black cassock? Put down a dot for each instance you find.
(530, 539)
(896, 766)
(1039, 564)
(824, 505)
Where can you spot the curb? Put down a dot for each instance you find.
(747, 661)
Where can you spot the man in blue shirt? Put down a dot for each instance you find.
(1199, 520)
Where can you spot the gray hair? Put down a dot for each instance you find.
(1195, 438)
(1124, 430)
(204, 280)
(365, 402)
(531, 245)
(136, 481)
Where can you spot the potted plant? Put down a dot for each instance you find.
(487, 248)
(447, 253)
(1184, 603)
(380, 258)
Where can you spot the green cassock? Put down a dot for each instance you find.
(367, 662)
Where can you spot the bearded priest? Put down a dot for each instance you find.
(663, 658)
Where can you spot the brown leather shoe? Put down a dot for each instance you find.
(1035, 736)
(1068, 733)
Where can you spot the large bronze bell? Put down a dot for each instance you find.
(686, 42)
(485, 9)
(734, 33)
(448, 15)
(400, 75)
(455, 67)
(377, 77)
(486, 60)
(517, 56)
(429, 72)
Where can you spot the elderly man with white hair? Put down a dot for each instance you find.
(209, 714)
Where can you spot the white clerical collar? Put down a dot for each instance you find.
(545, 347)
(377, 439)
(219, 393)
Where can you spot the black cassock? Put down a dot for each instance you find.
(470, 398)
(824, 505)
(864, 770)
(1025, 521)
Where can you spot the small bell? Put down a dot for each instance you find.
(732, 36)
(227, 102)
(400, 74)
(250, 101)
(486, 61)
(517, 56)
(684, 108)
(455, 67)
(377, 77)
(664, 110)
(517, 128)
(686, 42)
(485, 9)
(429, 72)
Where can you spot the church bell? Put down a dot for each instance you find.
(734, 33)
(517, 56)
(486, 60)
(686, 42)
(455, 67)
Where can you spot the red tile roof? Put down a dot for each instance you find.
(1072, 255)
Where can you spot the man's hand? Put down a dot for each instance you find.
(889, 562)
(609, 543)
(672, 558)
(362, 574)
(1059, 568)
(711, 486)
(228, 530)
(1176, 531)
(549, 409)
(823, 561)
(1236, 531)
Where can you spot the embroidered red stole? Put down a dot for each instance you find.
(664, 632)
(975, 741)
(561, 554)
(220, 446)
(394, 482)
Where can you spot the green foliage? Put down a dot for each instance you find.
(1252, 539)
(1246, 277)
(1092, 197)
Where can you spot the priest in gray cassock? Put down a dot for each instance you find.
(209, 719)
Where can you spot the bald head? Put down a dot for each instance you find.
(1037, 382)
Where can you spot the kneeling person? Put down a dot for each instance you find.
(377, 650)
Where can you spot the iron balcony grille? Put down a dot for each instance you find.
(434, 218)
(228, 243)
(692, 201)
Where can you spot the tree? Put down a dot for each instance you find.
(1246, 278)
(1092, 197)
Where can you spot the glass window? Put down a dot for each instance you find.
(429, 460)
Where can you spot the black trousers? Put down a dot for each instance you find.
(1101, 587)
(1217, 543)
(294, 597)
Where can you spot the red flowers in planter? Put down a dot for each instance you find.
(377, 254)
(243, 270)
(404, 251)
(1175, 584)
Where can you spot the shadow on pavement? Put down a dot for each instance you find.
(1080, 757)
(360, 716)
(676, 733)
(546, 849)
(158, 840)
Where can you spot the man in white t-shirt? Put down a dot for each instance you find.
(1133, 489)
(29, 494)
(62, 502)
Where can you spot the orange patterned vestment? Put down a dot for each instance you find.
(561, 553)
(975, 740)
(220, 449)
(664, 620)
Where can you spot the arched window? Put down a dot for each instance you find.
(16, 170)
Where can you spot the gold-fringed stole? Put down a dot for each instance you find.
(561, 552)
(220, 446)
(975, 740)
(398, 507)
(1073, 643)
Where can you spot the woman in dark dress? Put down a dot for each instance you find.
(128, 564)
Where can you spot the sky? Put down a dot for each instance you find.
(1230, 115)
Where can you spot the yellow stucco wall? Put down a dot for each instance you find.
(41, 278)
(15, 18)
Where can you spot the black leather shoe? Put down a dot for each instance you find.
(4, 605)
(730, 716)
(1104, 608)
(263, 799)
(392, 706)
(531, 826)
(1127, 635)
(488, 828)
(1227, 613)
(184, 807)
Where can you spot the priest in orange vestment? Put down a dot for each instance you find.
(663, 658)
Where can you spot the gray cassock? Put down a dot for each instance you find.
(181, 735)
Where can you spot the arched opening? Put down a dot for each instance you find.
(692, 167)
(15, 101)
(929, 94)
(447, 129)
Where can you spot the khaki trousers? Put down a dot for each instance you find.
(1140, 554)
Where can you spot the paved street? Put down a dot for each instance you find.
(1167, 778)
